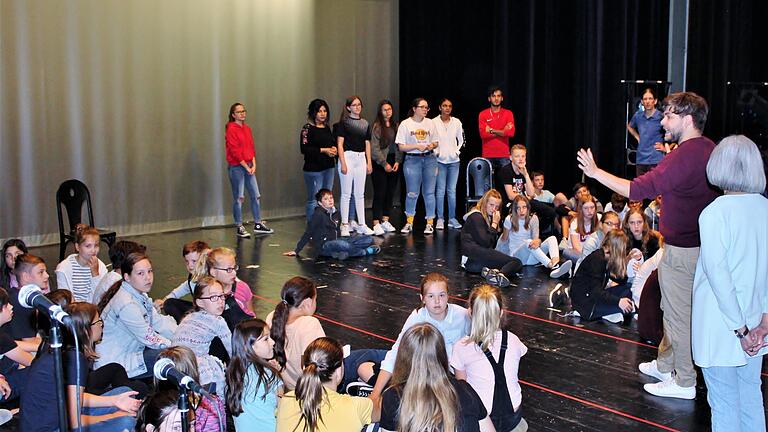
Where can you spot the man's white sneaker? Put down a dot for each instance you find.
(651, 369)
(378, 229)
(353, 224)
(388, 227)
(345, 230)
(363, 229)
(429, 229)
(407, 228)
(440, 224)
(669, 388)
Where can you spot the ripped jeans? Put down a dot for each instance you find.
(239, 179)
(420, 174)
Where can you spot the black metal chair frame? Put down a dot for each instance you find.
(475, 166)
(72, 194)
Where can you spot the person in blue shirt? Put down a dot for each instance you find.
(645, 126)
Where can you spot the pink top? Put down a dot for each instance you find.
(243, 296)
(468, 357)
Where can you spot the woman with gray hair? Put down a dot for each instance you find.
(730, 291)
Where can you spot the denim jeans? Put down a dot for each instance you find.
(354, 246)
(117, 424)
(316, 180)
(735, 397)
(357, 357)
(420, 173)
(447, 176)
(239, 179)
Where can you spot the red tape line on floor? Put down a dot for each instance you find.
(520, 314)
(529, 384)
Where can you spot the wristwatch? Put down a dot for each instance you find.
(742, 335)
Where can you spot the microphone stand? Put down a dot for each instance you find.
(183, 406)
(61, 398)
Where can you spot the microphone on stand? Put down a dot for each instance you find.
(32, 297)
(165, 370)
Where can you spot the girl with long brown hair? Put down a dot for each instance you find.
(423, 395)
(599, 288)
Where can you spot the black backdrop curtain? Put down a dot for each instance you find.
(727, 42)
(559, 63)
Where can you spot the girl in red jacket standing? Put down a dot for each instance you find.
(241, 157)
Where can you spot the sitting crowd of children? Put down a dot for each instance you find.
(281, 373)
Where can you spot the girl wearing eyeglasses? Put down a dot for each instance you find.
(199, 327)
(221, 264)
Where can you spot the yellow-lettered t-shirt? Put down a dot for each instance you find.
(340, 413)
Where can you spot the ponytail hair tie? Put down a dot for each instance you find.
(284, 302)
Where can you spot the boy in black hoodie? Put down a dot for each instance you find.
(324, 231)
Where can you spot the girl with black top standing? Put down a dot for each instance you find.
(319, 149)
(387, 158)
(354, 147)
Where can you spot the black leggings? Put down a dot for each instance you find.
(111, 376)
(384, 185)
(493, 259)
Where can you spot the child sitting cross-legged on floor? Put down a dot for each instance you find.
(323, 230)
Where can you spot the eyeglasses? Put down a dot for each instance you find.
(241, 112)
(426, 107)
(99, 322)
(611, 224)
(215, 298)
(228, 269)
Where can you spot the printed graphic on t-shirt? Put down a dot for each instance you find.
(420, 134)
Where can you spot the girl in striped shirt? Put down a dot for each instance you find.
(82, 271)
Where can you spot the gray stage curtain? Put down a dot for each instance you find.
(131, 97)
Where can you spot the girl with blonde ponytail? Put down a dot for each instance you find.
(424, 396)
(488, 359)
(315, 406)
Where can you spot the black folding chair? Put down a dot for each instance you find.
(72, 195)
(479, 180)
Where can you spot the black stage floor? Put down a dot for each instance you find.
(575, 377)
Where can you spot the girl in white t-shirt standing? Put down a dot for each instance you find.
(488, 359)
(417, 137)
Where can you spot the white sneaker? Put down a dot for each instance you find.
(407, 228)
(378, 230)
(388, 227)
(345, 230)
(651, 369)
(363, 229)
(614, 318)
(429, 229)
(353, 225)
(440, 224)
(560, 269)
(669, 388)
